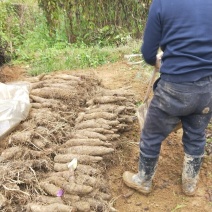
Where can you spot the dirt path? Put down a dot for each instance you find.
(167, 195)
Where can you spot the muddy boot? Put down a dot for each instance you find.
(190, 174)
(142, 181)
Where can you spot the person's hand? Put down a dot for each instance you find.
(158, 61)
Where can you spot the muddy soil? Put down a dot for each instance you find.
(167, 194)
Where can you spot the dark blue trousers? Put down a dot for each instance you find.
(190, 103)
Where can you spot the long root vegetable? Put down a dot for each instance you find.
(37, 85)
(111, 137)
(100, 130)
(53, 80)
(69, 77)
(127, 119)
(78, 136)
(46, 102)
(58, 85)
(97, 205)
(82, 206)
(49, 188)
(81, 158)
(38, 99)
(11, 153)
(90, 134)
(123, 128)
(39, 143)
(88, 150)
(106, 100)
(76, 188)
(57, 93)
(79, 178)
(21, 137)
(59, 167)
(36, 105)
(106, 108)
(92, 124)
(28, 124)
(98, 115)
(43, 117)
(64, 77)
(109, 122)
(62, 81)
(117, 109)
(55, 207)
(67, 198)
(85, 142)
(71, 188)
(56, 106)
(70, 198)
(82, 169)
(48, 199)
(80, 117)
(31, 154)
(86, 169)
(36, 79)
(87, 180)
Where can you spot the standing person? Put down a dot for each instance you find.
(183, 31)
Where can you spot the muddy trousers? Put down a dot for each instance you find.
(190, 103)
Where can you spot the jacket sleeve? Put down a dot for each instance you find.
(152, 33)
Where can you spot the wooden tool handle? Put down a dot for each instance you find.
(150, 85)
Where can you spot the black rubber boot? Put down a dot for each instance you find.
(190, 175)
(142, 181)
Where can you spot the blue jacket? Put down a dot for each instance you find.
(183, 30)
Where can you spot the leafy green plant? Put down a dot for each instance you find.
(103, 23)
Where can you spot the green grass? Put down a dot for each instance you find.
(45, 57)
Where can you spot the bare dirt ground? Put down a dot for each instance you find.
(167, 195)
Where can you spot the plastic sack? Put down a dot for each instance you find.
(14, 105)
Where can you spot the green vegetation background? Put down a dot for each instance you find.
(50, 35)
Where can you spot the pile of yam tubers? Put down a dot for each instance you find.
(73, 117)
